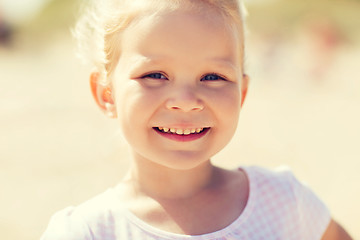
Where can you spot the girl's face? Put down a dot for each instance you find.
(177, 87)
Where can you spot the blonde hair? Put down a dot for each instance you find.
(99, 28)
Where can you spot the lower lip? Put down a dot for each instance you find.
(183, 138)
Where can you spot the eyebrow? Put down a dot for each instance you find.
(148, 60)
(141, 63)
(224, 63)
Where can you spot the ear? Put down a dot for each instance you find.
(244, 88)
(103, 95)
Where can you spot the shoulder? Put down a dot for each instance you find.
(281, 177)
(281, 182)
(281, 198)
(86, 221)
(67, 224)
(99, 206)
(277, 186)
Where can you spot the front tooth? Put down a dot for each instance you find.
(165, 129)
(173, 130)
(187, 131)
(179, 131)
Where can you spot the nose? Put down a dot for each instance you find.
(185, 100)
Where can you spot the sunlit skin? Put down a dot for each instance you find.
(180, 70)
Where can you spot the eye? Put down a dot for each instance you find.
(153, 79)
(212, 77)
(155, 75)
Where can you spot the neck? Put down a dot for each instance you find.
(158, 181)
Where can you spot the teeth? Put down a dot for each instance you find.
(180, 131)
(187, 132)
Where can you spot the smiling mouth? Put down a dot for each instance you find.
(181, 131)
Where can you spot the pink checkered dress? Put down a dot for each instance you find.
(279, 207)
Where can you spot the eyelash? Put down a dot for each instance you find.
(152, 76)
(159, 75)
(219, 77)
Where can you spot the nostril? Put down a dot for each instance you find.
(186, 108)
(184, 103)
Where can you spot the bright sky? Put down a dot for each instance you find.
(20, 10)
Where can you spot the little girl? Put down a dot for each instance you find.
(171, 72)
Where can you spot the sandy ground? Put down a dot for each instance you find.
(57, 149)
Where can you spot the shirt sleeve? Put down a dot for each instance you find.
(67, 225)
(314, 216)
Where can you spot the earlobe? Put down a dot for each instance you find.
(103, 95)
(244, 88)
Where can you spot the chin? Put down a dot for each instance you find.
(186, 161)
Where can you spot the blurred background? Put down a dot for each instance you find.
(303, 109)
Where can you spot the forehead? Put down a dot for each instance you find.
(184, 29)
(223, 12)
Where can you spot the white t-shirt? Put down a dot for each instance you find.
(279, 207)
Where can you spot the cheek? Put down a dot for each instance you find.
(226, 109)
(135, 105)
(226, 101)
